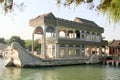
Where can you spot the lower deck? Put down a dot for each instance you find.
(70, 51)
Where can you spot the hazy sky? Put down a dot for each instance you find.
(17, 23)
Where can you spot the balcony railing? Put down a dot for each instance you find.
(62, 40)
(48, 40)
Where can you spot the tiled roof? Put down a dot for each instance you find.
(115, 43)
(78, 23)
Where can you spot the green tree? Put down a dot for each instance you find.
(17, 39)
(28, 44)
(2, 40)
(37, 45)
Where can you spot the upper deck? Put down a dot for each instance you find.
(56, 30)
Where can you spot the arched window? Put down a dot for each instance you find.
(50, 31)
(77, 32)
(38, 30)
(70, 33)
(62, 34)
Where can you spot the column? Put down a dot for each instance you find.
(74, 50)
(80, 34)
(66, 50)
(51, 51)
(32, 43)
(57, 53)
(96, 37)
(84, 35)
(80, 50)
(83, 52)
(90, 50)
(66, 33)
(95, 49)
(105, 50)
(86, 53)
(90, 36)
(74, 34)
(44, 44)
(100, 51)
(100, 37)
(57, 33)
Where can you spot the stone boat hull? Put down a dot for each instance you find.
(17, 56)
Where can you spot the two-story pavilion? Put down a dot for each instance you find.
(60, 38)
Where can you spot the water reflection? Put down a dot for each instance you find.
(11, 74)
(112, 73)
(81, 72)
(59, 73)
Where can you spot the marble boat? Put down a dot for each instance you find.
(63, 42)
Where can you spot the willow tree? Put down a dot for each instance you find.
(109, 7)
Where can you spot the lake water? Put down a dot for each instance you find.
(80, 72)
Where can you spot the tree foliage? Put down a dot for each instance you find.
(28, 45)
(37, 46)
(2, 40)
(109, 7)
(17, 39)
(9, 5)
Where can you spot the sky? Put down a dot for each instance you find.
(17, 23)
